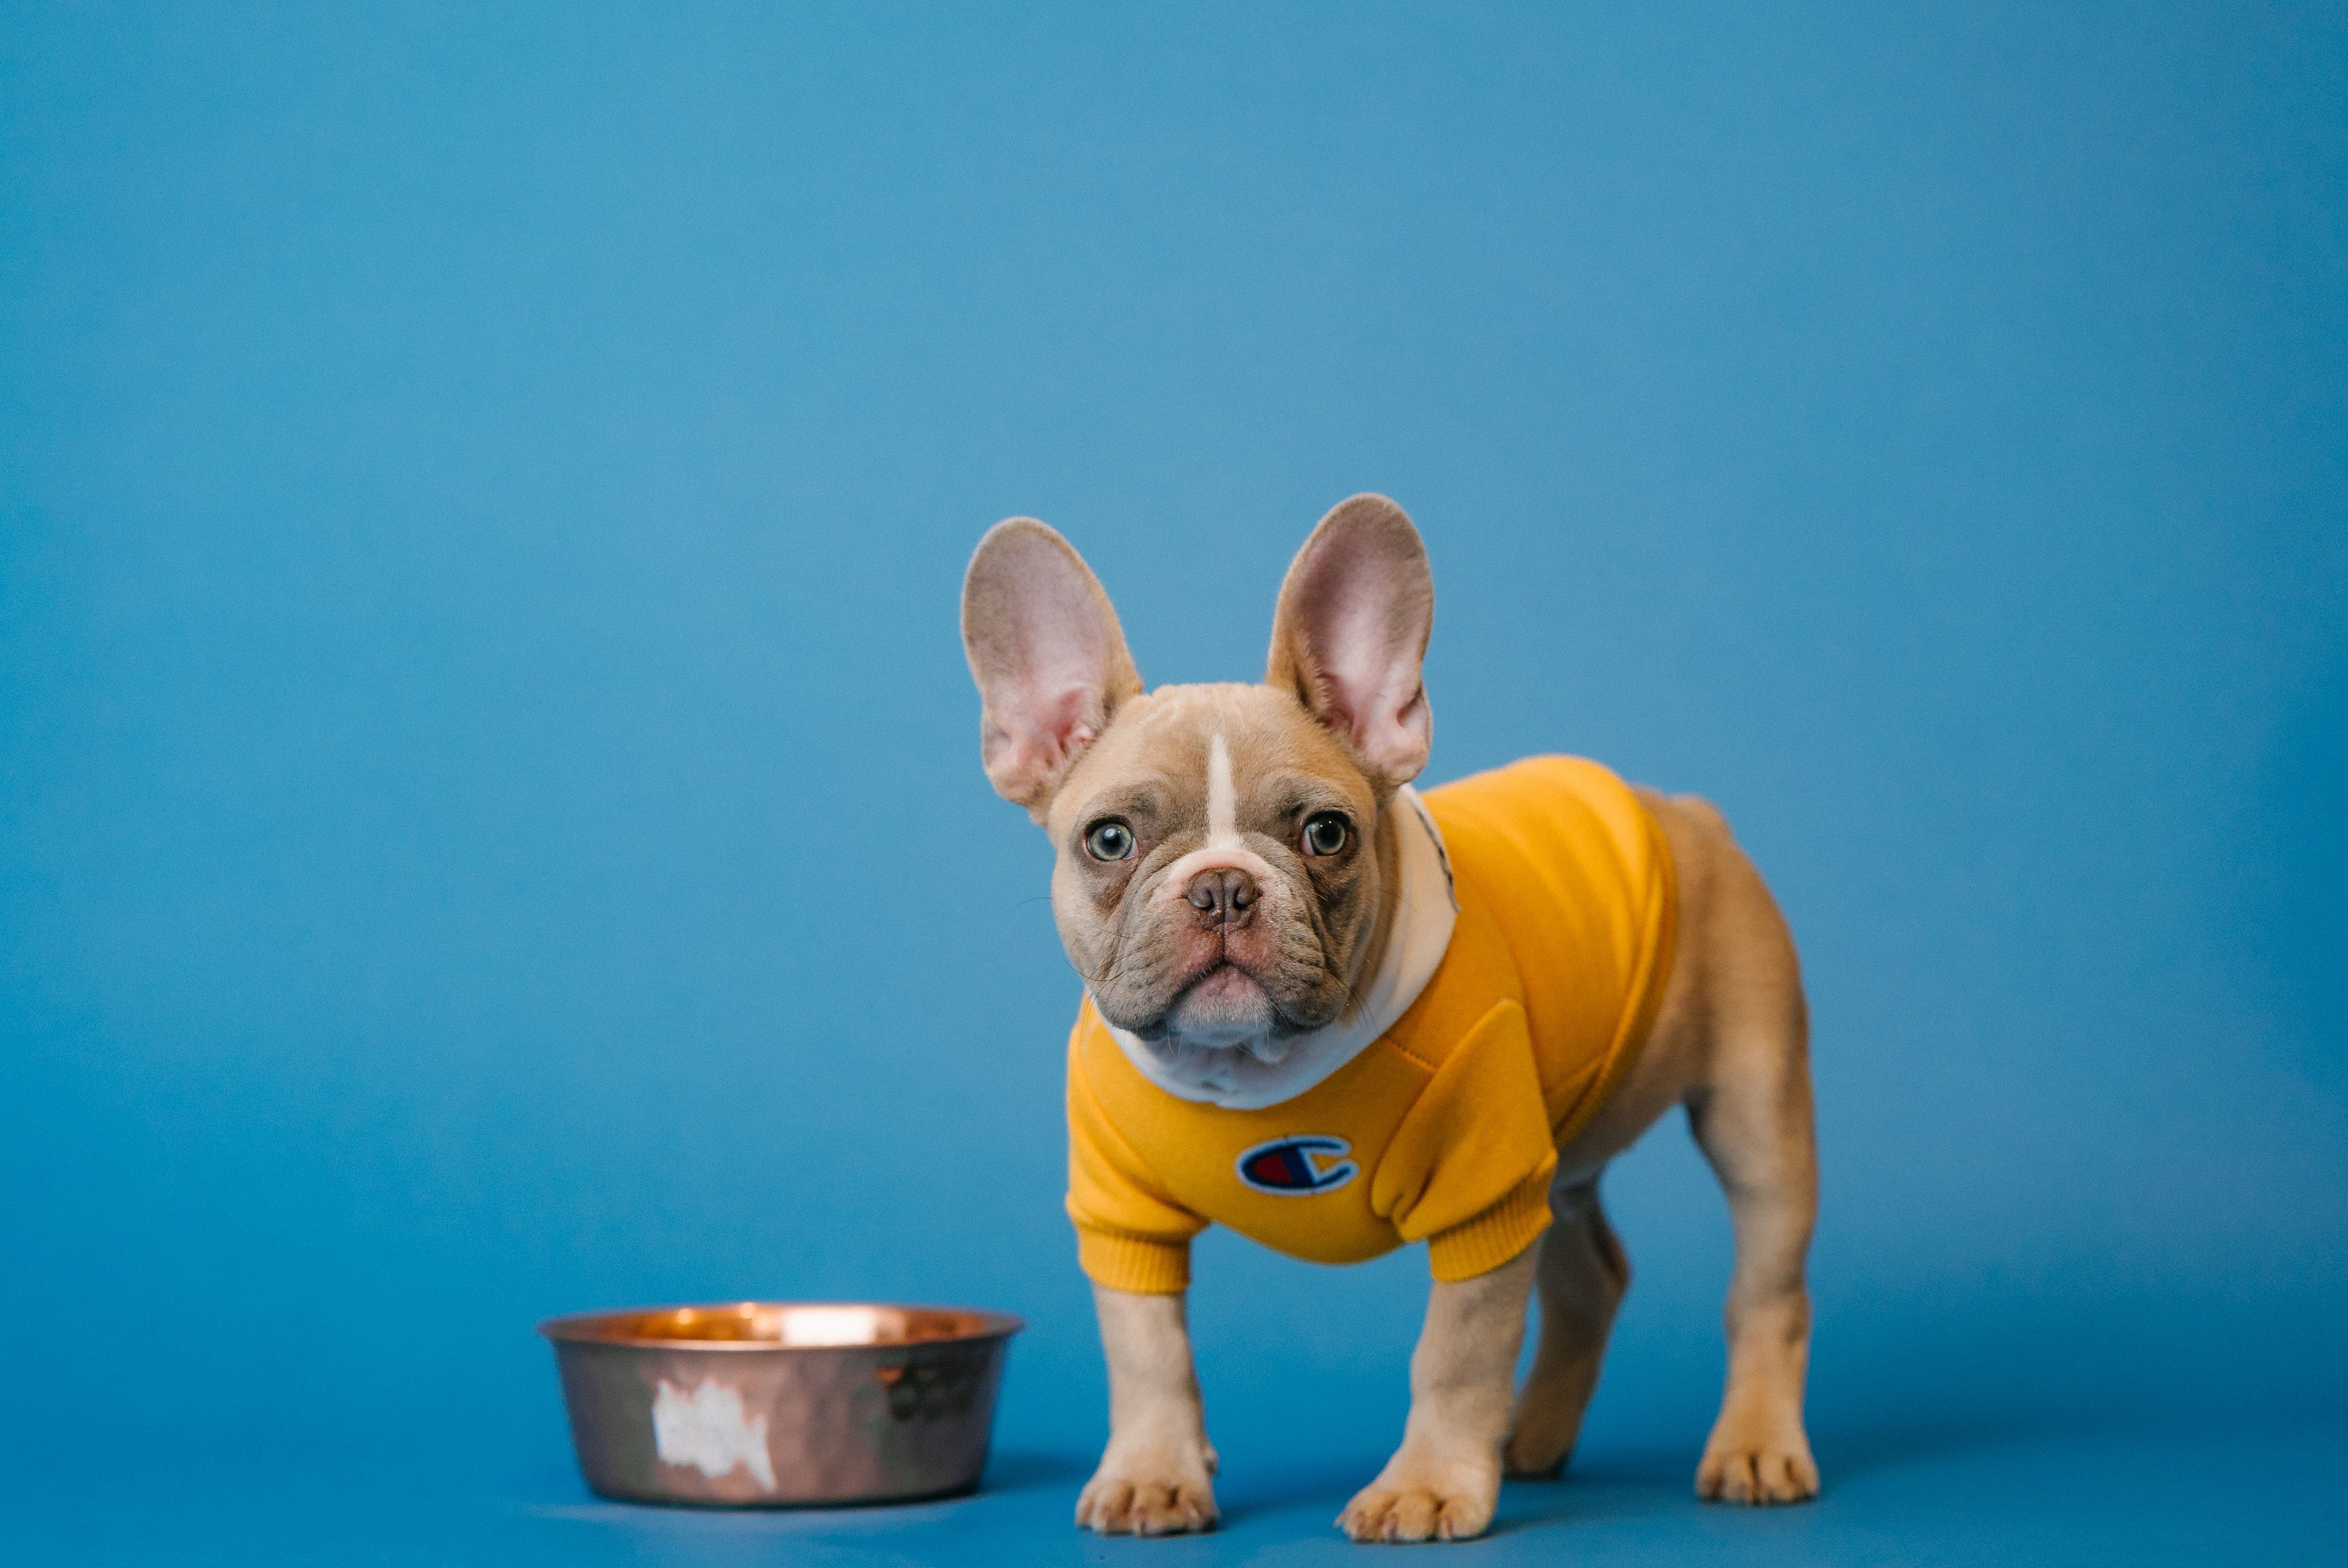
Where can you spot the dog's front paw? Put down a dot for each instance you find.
(1150, 1492)
(1423, 1503)
(1757, 1463)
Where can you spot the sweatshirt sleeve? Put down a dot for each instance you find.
(1130, 1235)
(1468, 1170)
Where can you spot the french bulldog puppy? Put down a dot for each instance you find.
(1341, 1016)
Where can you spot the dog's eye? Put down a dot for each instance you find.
(1110, 840)
(1326, 833)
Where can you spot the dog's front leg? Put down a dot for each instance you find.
(1155, 1478)
(1442, 1483)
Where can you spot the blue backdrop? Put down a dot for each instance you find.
(490, 821)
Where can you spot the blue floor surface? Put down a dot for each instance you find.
(2267, 1496)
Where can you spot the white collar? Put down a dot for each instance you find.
(1238, 1080)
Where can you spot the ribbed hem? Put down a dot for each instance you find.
(1483, 1244)
(1131, 1264)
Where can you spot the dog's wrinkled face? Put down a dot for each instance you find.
(1222, 852)
(1217, 868)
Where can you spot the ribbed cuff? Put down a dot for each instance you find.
(1132, 1263)
(1483, 1244)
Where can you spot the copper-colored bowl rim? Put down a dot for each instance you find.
(590, 1327)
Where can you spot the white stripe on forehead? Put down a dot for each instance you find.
(1222, 800)
(1224, 849)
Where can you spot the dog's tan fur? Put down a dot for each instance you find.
(1730, 1043)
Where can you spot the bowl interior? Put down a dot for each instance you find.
(781, 1325)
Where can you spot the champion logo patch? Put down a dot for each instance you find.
(1298, 1167)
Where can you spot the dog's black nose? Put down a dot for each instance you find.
(1225, 895)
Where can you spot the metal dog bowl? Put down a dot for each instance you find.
(763, 1403)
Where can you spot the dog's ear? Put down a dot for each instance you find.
(1048, 656)
(1351, 632)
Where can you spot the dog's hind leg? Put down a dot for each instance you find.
(1580, 1279)
(1751, 1116)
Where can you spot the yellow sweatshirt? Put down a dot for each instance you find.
(1446, 1128)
